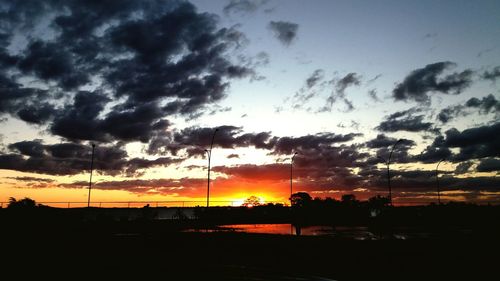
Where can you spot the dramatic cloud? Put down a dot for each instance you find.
(289, 145)
(406, 121)
(463, 167)
(74, 158)
(194, 140)
(143, 60)
(186, 186)
(485, 105)
(450, 112)
(422, 180)
(382, 141)
(286, 32)
(476, 142)
(257, 172)
(420, 82)
(31, 179)
(489, 165)
(473, 143)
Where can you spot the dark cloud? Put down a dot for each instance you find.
(476, 142)
(79, 120)
(139, 124)
(29, 148)
(351, 79)
(313, 84)
(425, 181)
(384, 141)
(421, 181)
(409, 123)
(373, 95)
(406, 121)
(489, 165)
(243, 6)
(449, 113)
(31, 179)
(49, 62)
(485, 105)
(436, 151)
(256, 172)
(286, 32)
(186, 186)
(143, 60)
(233, 155)
(463, 167)
(390, 149)
(289, 145)
(37, 114)
(15, 98)
(420, 82)
(492, 75)
(315, 77)
(195, 139)
(473, 143)
(74, 158)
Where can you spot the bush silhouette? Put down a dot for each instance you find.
(252, 201)
(26, 203)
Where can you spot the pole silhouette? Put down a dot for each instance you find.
(388, 163)
(437, 181)
(291, 177)
(209, 153)
(91, 168)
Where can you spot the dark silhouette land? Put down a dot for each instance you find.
(462, 242)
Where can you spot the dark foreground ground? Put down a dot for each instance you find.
(81, 253)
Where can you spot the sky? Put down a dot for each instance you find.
(337, 82)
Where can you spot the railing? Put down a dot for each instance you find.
(186, 203)
(136, 204)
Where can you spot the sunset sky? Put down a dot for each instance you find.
(338, 82)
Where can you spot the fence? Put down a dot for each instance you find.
(138, 204)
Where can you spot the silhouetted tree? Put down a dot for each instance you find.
(349, 199)
(378, 202)
(252, 201)
(300, 199)
(25, 203)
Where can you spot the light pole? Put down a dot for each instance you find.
(291, 174)
(91, 168)
(437, 181)
(388, 163)
(209, 153)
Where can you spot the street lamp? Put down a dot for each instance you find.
(209, 153)
(388, 163)
(91, 168)
(291, 174)
(437, 181)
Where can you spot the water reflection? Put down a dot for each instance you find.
(359, 233)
